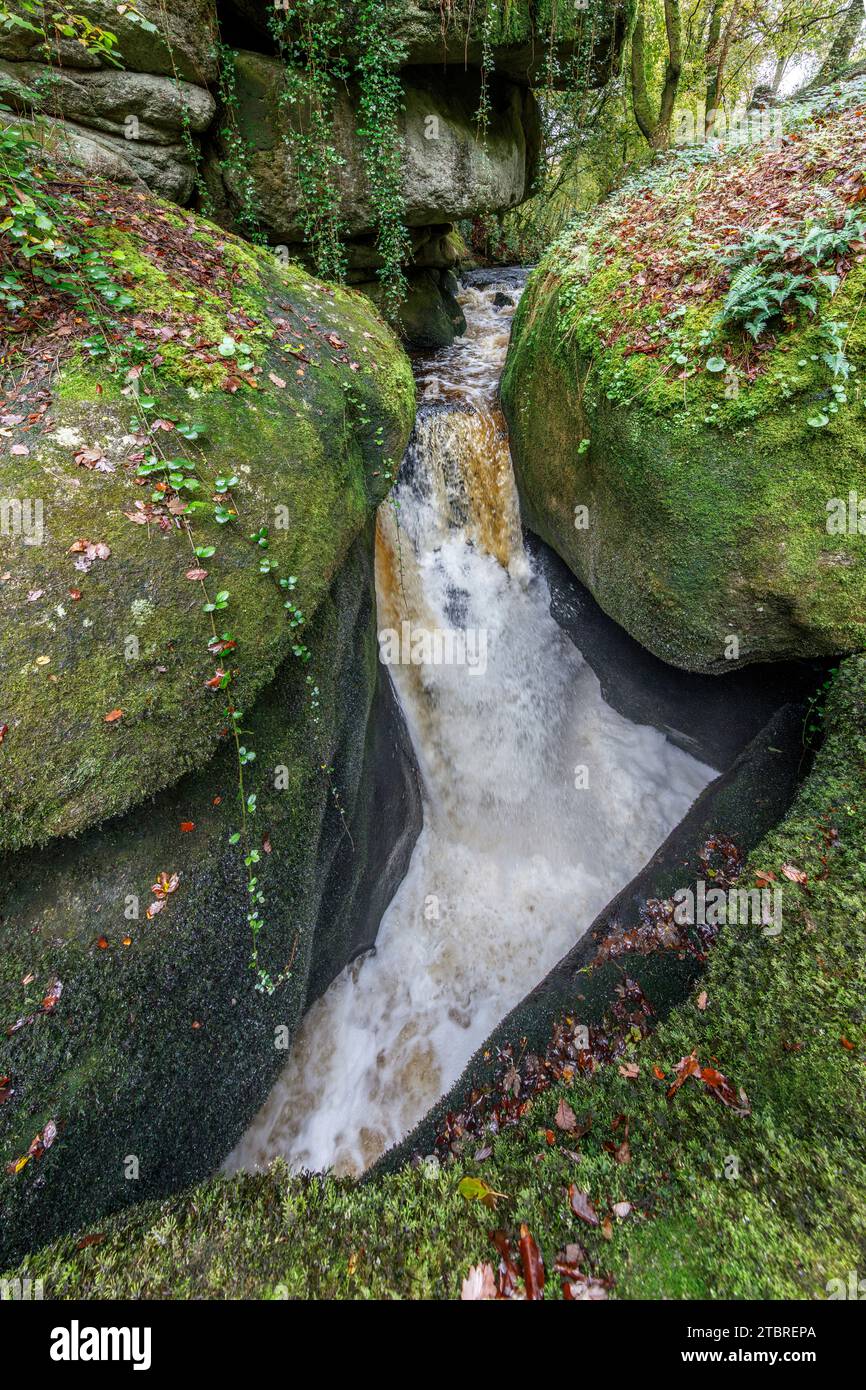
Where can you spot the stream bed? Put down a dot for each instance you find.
(540, 800)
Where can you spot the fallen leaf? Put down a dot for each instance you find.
(630, 1070)
(165, 884)
(702, 999)
(621, 1210)
(113, 715)
(89, 1240)
(533, 1265)
(480, 1283)
(102, 943)
(794, 874)
(582, 1206)
(477, 1190)
(186, 826)
(565, 1117)
(278, 381)
(685, 1067)
(196, 574)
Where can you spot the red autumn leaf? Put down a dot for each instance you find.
(4, 729)
(113, 715)
(75, 595)
(533, 1265)
(215, 680)
(186, 826)
(196, 574)
(582, 1206)
(89, 1240)
(102, 943)
(685, 1067)
(845, 1043)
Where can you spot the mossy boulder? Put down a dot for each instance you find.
(157, 1049)
(296, 390)
(448, 173)
(691, 477)
(179, 41)
(526, 40)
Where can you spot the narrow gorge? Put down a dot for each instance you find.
(432, 593)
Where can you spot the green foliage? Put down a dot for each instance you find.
(763, 281)
(308, 41)
(236, 160)
(381, 94)
(312, 38)
(34, 245)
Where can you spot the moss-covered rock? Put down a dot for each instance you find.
(527, 40)
(155, 1049)
(296, 390)
(692, 477)
(781, 1016)
(447, 172)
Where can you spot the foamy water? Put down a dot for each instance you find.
(540, 801)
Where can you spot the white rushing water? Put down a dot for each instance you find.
(540, 801)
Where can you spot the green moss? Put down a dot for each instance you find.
(159, 1046)
(309, 457)
(776, 1011)
(708, 498)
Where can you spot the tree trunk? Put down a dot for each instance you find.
(843, 44)
(711, 62)
(656, 127)
(723, 48)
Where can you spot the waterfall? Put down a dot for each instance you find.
(540, 800)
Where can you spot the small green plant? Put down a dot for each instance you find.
(33, 244)
(775, 270)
